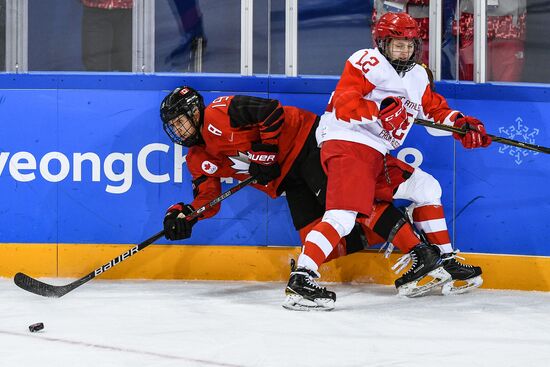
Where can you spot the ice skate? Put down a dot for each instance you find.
(463, 276)
(426, 263)
(304, 294)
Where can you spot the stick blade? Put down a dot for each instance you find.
(32, 285)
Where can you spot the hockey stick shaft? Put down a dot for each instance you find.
(498, 139)
(47, 290)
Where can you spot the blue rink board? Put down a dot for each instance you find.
(496, 199)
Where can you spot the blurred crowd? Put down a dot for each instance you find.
(517, 30)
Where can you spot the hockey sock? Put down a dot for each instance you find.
(339, 250)
(430, 219)
(319, 243)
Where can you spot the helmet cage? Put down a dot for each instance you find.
(398, 26)
(401, 66)
(183, 102)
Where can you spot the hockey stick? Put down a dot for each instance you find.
(498, 139)
(55, 291)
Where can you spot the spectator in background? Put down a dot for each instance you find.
(537, 42)
(2, 35)
(107, 35)
(505, 35)
(505, 39)
(188, 55)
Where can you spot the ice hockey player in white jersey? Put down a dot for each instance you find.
(381, 91)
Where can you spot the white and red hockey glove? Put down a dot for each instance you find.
(392, 113)
(475, 136)
(263, 162)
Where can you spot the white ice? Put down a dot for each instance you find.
(177, 323)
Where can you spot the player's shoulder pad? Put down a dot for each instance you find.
(200, 162)
(360, 53)
(192, 153)
(430, 75)
(195, 155)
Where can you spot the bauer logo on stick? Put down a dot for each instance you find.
(116, 260)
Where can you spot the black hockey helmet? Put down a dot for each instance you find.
(182, 114)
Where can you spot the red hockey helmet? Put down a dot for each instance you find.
(398, 26)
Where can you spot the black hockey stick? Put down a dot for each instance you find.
(498, 139)
(55, 291)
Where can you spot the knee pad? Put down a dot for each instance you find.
(421, 188)
(342, 220)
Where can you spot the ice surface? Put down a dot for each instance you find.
(177, 323)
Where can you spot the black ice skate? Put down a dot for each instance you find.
(304, 294)
(426, 262)
(463, 276)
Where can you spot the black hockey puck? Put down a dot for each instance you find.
(36, 327)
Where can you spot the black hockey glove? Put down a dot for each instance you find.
(176, 227)
(263, 162)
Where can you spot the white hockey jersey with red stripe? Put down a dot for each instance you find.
(368, 78)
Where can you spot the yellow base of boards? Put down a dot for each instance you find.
(245, 263)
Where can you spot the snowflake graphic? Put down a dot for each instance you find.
(518, 132)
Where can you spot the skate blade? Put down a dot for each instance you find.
(450, 288)
(412, 289)
(298, 303)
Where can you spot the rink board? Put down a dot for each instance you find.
(87, 163)
(254, 263)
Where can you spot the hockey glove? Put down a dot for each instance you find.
(475, 136)
(263, 162)
(392, 113)
(176, 226)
